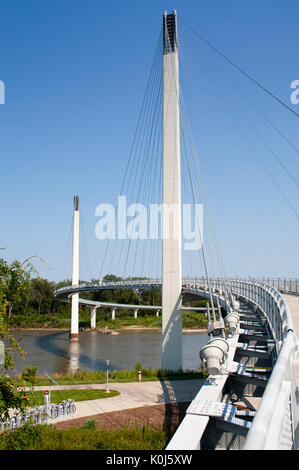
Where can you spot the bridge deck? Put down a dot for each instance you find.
(223, 410)
(293, 304)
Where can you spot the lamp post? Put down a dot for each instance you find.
(50, 380)
(107, 375)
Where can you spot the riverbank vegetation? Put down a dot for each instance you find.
(81, 377)
(30, 302)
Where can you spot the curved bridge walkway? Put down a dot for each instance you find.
(293, 303)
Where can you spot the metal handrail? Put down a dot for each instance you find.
(259, 436)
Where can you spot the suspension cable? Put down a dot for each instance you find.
(241, 70)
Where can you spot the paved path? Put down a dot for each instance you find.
(293, 304)
(132, 395)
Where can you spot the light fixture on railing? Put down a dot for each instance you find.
(214, 354)
(232, 321)
(236, 305)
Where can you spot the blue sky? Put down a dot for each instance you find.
(75, 73)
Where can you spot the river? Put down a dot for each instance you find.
(51, 350)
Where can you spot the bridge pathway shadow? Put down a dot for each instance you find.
(177, 395)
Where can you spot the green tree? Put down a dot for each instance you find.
(11, 345)
(112, 278)
(15, 281)
(41, 293)
(29, 375)
(11, 394)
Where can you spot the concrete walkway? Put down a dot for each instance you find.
(293, 304)
(132, 395)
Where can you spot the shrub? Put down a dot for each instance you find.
(25, 437)
(90, 423)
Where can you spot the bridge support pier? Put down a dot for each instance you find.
(93, 317)
(113, 313)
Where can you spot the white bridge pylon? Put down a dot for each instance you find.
(75, 272)
(172, 348)
(171, 353)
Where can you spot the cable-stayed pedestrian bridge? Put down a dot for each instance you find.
(249, 400)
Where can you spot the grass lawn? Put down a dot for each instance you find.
(78, 395)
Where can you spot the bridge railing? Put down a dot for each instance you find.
(276, 420)
(271, 304)
(262, 295)
(283, 285)
(275, 424)
(109, 285)
(288, 286)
